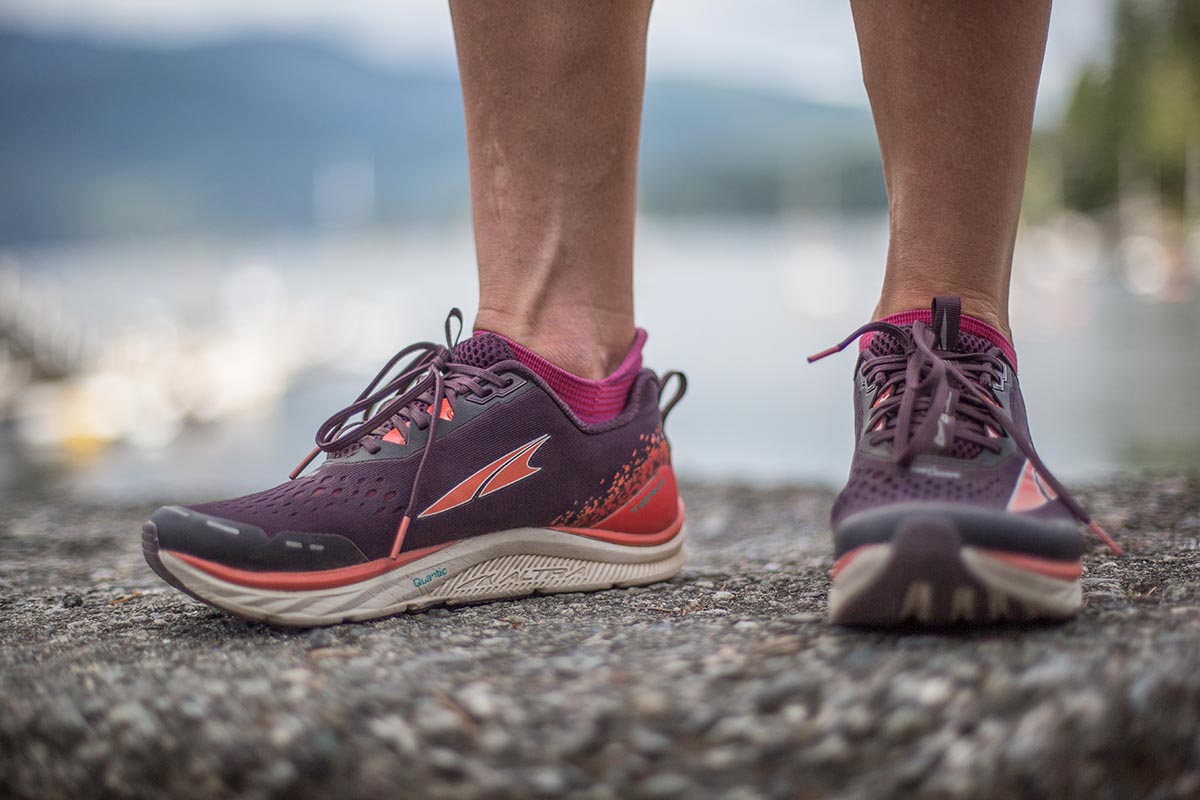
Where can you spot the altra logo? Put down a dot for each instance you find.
(504, 471)
(649, 496)
(546, 575)
(944, 421)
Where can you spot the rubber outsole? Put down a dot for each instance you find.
(926, 576)
(496, 566)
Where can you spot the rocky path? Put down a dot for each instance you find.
(726, 682)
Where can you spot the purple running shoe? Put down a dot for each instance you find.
(948, 516)
(462, 479)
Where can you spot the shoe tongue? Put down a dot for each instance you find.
(945, 317)
(945, 320)
(482, 350)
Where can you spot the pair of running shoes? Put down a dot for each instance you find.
(465, 478)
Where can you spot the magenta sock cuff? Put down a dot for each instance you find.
(969, 324)
(592, 401)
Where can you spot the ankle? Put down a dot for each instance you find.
(591, 346)
(593, 400)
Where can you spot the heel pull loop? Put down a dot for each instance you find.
(681, 379)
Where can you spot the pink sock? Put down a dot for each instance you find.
(592, 401)
(970, 325)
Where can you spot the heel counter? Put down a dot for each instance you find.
(639, 498)
(654, 507)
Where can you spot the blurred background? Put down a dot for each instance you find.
(218, 218)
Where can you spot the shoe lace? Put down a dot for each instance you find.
(921, 380)
(414, 397)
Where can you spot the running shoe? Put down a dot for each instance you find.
(949, 515)
(463, 478)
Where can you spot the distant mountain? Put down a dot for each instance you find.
(251, 135)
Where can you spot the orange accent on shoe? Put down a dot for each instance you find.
(847, 557)
(634, 539)
(515, 470)
(1030, 492)
(401, 532)
(466, 491)
(308, 459)
(394, 436)
(447, 411)
(651, 508)
(304, 581)
(1095, 528)
(884, 395)
(1062, 570)
(650, 455)
(828, 351)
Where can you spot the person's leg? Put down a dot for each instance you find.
(952, 88)
(949, 515)
(396, 518)
(553, 97)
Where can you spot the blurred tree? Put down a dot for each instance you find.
(1133, 124)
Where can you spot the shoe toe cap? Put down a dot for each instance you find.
(987, 528)
(241, 545)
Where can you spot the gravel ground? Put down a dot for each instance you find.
(726, 682)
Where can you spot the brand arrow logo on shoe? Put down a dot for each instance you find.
(1031, 492)
(504, 471)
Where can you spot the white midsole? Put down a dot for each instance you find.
(1053, 597)
(508, 563)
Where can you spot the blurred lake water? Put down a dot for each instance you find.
(213, 362)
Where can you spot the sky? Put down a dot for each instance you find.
(803, 47)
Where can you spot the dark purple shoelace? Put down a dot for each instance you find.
(413, 397)
(932, 397)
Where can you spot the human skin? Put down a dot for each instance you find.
(952, 88)
(553, 96)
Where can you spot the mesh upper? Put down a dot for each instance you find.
(877, 483)
(884, 345)
(362, 499)
(483, 350)
(315, 493)
(873, 484)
